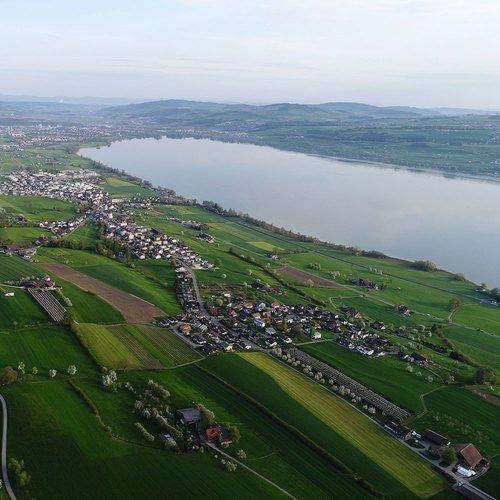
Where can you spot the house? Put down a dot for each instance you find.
(468, 455)
(435, 438)
(218, 433)
(259, 322)
(420, 359)
(185, 329)
(189, 416)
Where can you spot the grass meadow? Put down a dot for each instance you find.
(330, 422)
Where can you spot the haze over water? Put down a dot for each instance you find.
(454, 222)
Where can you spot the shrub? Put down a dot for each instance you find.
(145, 434)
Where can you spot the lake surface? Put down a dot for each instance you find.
(454, 222)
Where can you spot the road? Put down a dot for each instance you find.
(5, 475)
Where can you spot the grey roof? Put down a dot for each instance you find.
(190, 415)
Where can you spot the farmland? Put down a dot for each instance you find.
(121, 188)
(116, 275)
(36, 209)
(13, 268)
(20, 310)
(22, 236)
(386, 376)
(127, 470)
(45, 347)
(463, 417)
(113, 347)
(330, 422)
(163, 344)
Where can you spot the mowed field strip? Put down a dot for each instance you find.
(133, 309)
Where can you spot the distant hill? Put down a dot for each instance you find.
(212, 113)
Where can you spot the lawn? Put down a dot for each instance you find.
(114, 347)
(386, 376)
(330, 422)
(37, 209)
(20, 310)
(463, 417)
(66, 451)
(45, 347)
(118, 275)
(164, 345)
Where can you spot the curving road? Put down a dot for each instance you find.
(5, 475)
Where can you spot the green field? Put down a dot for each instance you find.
(22, 236)
(386, 376)
(489, 482)
(87, 307)
(84, 236)
(13, 268)
(164, 345)
(141, 346)
(45, 347)
(330, 422)
(37, 209)
(66, 451)
(114, 347)
(116, 274)
(20, 310)
(463, 417)
(121, 188)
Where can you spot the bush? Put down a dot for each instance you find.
(22, 478)
(424, 265)
(145, 434)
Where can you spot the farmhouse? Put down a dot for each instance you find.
(218, 433)
(435, 438)
(468, 455)
(189, 416)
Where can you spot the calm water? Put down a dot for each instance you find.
(451, 221)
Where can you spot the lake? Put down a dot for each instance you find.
(454, 222)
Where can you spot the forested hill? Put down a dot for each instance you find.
(453, 140)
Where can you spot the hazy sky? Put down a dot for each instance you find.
(416, 52)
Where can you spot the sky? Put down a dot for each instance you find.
(384, 52)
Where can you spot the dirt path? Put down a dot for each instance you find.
(133, 309)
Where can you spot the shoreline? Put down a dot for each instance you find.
(313, 237)
(494, 179)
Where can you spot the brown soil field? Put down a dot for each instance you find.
(134, 309)
(303, 276)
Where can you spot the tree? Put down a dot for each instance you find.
(484, 376)
(217, 263)
(296, 330)
(71, 370)
(454, 304)
(235, 433)
(449, 456)
(52, 373)
(9, 376)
